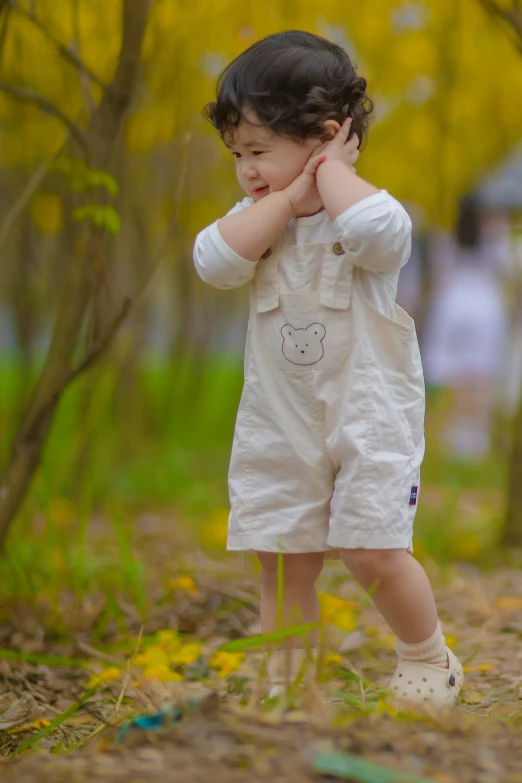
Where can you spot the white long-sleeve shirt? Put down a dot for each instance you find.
(375, 233)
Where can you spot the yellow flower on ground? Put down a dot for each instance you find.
(167, 635)
(152, 656)
(161, 672)
(336, 611)
(226, 662)
(187, 653)
(38, 724)
(169, 641)
(481, 667)
(184, 583)
(105, 676)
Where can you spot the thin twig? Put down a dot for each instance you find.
(28, 191)
(95, 714)
(47, 106)
(128, 675)
(509, 21)
(80, 368)
(161, 250)
(64, 50)
(96, 351)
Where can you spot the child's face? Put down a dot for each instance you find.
(265, 162)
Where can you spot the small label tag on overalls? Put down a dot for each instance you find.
(413, 496)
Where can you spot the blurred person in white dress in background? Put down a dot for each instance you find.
(466, 337)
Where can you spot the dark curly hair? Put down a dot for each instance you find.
(293, 81)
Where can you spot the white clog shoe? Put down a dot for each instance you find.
(426, 684)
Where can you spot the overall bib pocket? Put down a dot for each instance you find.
(309, 328)
(302, 333)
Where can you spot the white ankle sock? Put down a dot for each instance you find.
(432, 650)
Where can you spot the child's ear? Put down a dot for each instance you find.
(330, 128)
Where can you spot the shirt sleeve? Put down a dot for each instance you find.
(376, 233)
(216, 263)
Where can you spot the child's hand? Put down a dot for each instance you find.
(339, 148)
(302, 192)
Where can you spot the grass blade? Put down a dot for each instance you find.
(349, 767)
(58, 721)
(268, 638)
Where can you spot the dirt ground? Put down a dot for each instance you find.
(229, 738)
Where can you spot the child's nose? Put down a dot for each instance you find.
(251, 171)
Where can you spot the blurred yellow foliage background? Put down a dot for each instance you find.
(445, 81)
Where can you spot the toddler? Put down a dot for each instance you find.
(329, 436)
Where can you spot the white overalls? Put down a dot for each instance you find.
(329, 435)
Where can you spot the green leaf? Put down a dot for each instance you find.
(349, 767)
(96, 179)
(37, 658)
(104, 216)
(268, 638)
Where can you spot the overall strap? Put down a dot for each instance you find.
(337, 277)
(266, 280)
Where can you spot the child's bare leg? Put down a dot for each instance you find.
(400, 590)
(427, 672)
(300, 603)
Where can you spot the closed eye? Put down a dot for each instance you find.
(237, 155)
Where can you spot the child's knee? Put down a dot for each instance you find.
(298, 569)
(371, 566)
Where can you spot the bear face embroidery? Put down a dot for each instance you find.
(303, 346)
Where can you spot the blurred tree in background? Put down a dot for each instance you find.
(509, 17)
(87, 213)
(94, 127)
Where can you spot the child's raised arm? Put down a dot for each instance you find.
(374, 229)
(226, 252)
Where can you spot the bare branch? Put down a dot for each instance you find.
(161, 250)
(89, 359)
(30, 188)
(47, 106)
(509, 21)
(65, 51)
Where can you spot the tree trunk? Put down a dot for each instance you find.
(513, 527)
(103, 132)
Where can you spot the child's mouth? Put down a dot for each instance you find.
(260, 191)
